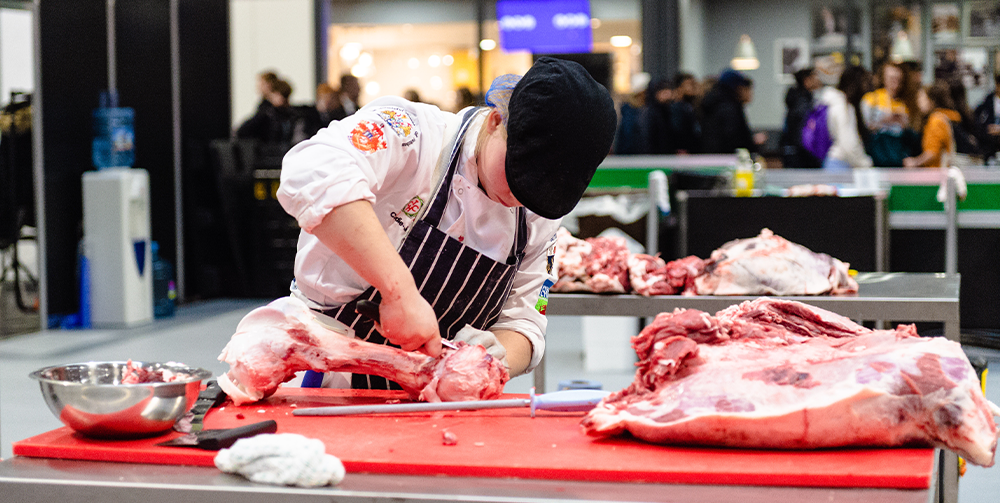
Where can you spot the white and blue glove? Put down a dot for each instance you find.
(486, 339)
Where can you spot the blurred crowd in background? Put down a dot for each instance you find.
(886, 119)
(278, 121)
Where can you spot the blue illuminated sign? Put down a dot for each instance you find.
(545, 26)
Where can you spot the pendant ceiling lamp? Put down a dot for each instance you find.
(902, 48)
(746, 55)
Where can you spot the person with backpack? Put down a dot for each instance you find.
(938, 138)
(830, 131)
(799, 103)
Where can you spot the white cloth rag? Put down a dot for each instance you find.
(961, 188)
(282, 459)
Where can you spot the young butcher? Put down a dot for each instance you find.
(448, 221)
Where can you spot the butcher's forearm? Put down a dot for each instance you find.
(518, 350)
(353, 232)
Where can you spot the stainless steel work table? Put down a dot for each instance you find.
(890, 296)
(882, 296)
(34, 480)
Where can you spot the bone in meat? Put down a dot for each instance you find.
(275, 341)
(784, 375)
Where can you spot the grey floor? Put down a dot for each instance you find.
(199, 331)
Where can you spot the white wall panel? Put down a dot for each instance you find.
(16, 53)
(273, 35)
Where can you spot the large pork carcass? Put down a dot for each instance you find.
(771, 265)
(275, 341)
(780, 374)
(598, 265)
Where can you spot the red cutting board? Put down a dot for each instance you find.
(506, 443)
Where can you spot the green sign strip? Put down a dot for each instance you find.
(981, 197)
(636, 178)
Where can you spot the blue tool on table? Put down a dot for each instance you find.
(576, 400)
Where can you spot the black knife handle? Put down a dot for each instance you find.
(212, 392)
(213, 440)
(369, 309)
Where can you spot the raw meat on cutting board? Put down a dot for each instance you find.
(772, 265)
(598, 265)
(275, 341)
(779, 374)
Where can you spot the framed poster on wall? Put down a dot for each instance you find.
(982, 22)
(946, 26)
(790, 56)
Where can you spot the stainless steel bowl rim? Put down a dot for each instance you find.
(195, 373)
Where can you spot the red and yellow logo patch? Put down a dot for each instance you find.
(413, 207)
(368, 137)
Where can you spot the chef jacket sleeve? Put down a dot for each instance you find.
(347, 161)
(524, 311)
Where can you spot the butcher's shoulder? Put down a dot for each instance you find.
(541, 230)
(426, 117)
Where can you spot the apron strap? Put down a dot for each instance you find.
(436, 210)
(520, 239)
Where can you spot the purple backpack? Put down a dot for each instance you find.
(816, 134)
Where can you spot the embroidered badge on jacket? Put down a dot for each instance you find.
(413, 207)
(368, 137)
(543, 297)
(398, 120)
(551, 254)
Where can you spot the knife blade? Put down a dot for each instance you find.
(213, 440)
(210, 397)
(369, 309)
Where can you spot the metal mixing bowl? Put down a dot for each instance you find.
(91, 399)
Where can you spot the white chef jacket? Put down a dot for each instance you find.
(388, 154)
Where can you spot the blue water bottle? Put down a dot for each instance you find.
(163, 285)
(114, 134)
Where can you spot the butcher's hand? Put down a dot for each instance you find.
(486, 339)
(354, 233)
(410, 323)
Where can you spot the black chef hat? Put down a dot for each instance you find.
(560, 128)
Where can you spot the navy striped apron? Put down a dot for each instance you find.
(461, 284)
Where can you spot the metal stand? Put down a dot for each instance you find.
(947, 483)
(14, 265)
(951, 226)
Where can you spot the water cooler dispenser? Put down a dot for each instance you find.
(117, 243)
